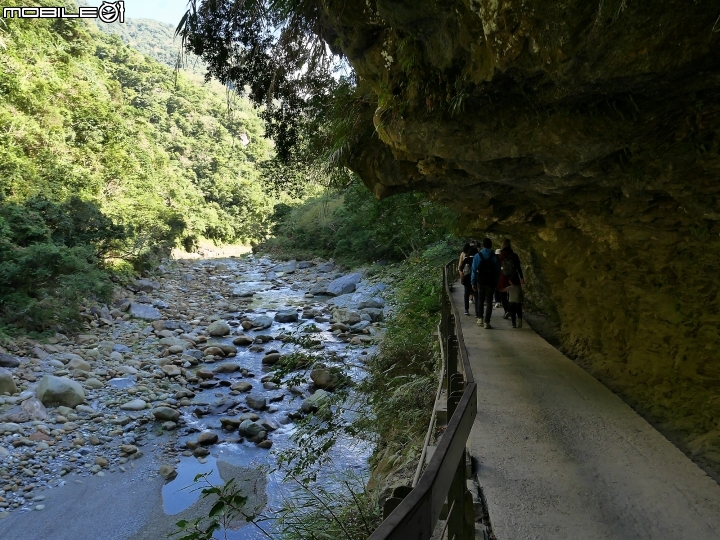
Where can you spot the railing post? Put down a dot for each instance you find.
(456, 521)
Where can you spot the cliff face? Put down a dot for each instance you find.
(589, 133)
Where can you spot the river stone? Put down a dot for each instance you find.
(314, 402)
(326, 267)
(241, 386)
(271, 359)
(213, 351)
(250, 428)
(359, 327)
(9, 361)
(376, 314)
(305, 264)
(243, 340)
(288, 267)
(35, 409)
(256, 402)
(228, 349)
(226, 368)
(176, 342)
(53, 391)
(323, 378)
(319, 288)
(134, 405)
(144, 311)
(166, 413)
(374, 302)
(94, 384)
(172, 370)
(344, 284)
(219, 329)
(147, 285)
(347, 316)
(261, 322)
(79, 364)
(7, 383)
(267, 444)
(168, 472)
(230, 424)
(286, 315)
(206, 438)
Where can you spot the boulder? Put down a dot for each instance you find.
(147, 285)
(256, 402)
(375, 314)
(359, 327)
(344, 284)
(324, 378)
(347, 316)
(35, 409)
(168, 472)
(219, 329)
(166, 413)
(79, 364)
(250, 428)
(226, 368)
(288, 267)
(271, 359)
(134, 405)
(374, 302)
(286, 315)
(172, 370)
(241, 386)
(9, 361)
(53, 391)
(326, 267)
(261, 322)
(243, 340)
(314, 402)
(7, 383)
(176, 342)
(207, 438)
(305, 264)
(144, 311)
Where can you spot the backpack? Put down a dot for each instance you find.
(485, 272)
(466, 268)
(508, 266)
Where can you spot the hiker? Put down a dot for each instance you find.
(465, 272)
(484, 279)
(463, 254)
(515, 299)
(510, 269)
(498, 294)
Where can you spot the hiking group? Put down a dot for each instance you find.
(492, 275)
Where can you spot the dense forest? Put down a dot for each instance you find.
(108, 158)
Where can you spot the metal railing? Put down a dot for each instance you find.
(443, 482)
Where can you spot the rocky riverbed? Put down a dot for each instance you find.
(176, 374)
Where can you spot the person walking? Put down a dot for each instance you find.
(515, 300)
(510, 270)
(465, 276)
(484, 279)
(498, 294)
(463, 254)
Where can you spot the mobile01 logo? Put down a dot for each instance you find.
(108, 12)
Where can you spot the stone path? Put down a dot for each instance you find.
(562, 457)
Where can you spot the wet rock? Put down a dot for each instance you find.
(219, 329)
(7, 383)
(230, 424)
(286, 315)
(241, 386)
(213, 351)
(261, 322)
(314, 402)
(144, 311)
(250, 428)
(376, 314)
(9, 361)
(359, 327)
(168, 472)
(176, 342)
(256, 402)
(226, 368)
(271, 359)
(207, 438)
(344, 285)
(267, 444)
(53, 391)
(242, 340)
(128, 449)
(201, 452)
(228, 349)
(324, 378)
(375, 302)
(166, 413)
(205, 374)
(319, 289)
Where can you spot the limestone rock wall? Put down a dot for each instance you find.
(589, 133)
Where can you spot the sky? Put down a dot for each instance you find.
(167, 11)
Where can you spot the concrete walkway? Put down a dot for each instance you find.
(562, 457)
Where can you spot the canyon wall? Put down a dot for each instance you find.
(588, 132)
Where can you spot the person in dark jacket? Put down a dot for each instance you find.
(465, 276)
(510, 270)
(484, 279)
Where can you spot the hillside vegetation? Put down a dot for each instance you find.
(153, 160)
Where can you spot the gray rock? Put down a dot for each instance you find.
(168, 472)
(79, 364)
(374, 302)
(9, 361)
(250, 428)
(261, 322)
(305, 264)
(375, 314)
(319, 288)
(134, 405)
(219, 329)
(53, 391)
(243, 340)
(344, 285)
(7, 383)
(314, 402)
(35, 409)
(271, 359)
(286, 315)
(323, 378)
(166, 413)
(326, 267)
(147, 285)
(359, 327)
(144, 311)
(241, 386)
(347, 316)
(256, 402)
(288, 267)
(226, 367)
